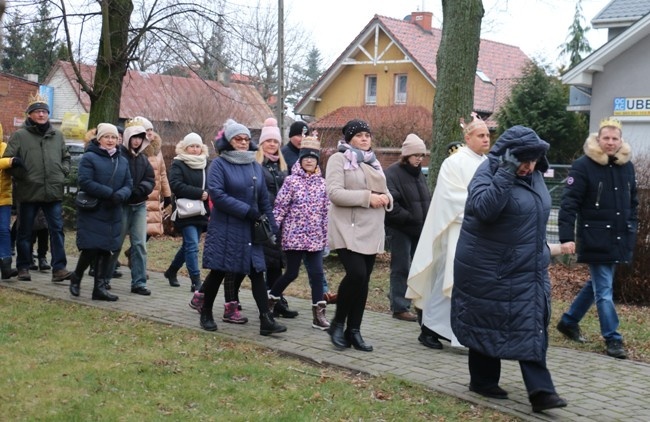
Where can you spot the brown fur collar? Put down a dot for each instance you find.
(154, 146)
(595, 152)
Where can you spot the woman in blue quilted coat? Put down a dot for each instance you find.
(239, 196)
(104, 174)
(501, 300)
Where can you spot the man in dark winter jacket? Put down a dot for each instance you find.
(41, 163)
(601, 197)
(134, 217)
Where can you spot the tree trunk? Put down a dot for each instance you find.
(456, 66)
(112, 62)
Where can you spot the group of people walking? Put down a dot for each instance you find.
(472, 259)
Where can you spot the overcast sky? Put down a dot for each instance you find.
(538, 27)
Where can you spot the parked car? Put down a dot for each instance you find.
(76, 149)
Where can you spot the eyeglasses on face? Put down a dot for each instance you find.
(241, 139)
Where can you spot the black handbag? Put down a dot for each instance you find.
(262, 232)
(84, 201)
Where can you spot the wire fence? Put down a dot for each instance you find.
(555, 179)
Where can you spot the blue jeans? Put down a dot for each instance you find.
(134, 222)
(598, 289)
(5, 231)
(188, 253)
(402, 249)
(54, 216)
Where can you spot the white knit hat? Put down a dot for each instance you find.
(191, 139)
(106, 129)
(270, 130)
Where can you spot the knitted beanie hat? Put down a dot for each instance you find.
(413, 145)
(104, 129)
(270, 130)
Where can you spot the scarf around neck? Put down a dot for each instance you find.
(238, 157)
(355, 156)
(196, 162)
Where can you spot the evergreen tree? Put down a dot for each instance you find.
(305, 77)
(539, 101)
(14, 51)
(577, 43)
(42, 44)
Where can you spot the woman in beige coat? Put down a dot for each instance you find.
(357, 189)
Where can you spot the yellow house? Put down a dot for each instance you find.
(387, 76)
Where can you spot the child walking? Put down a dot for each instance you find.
(301, 212)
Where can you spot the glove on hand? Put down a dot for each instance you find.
(116, 199)
(17, 162)
(253, 214)
(167, 201)
(509, 162)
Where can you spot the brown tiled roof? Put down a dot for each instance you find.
(499, 62)
(496, 60)
(165, 98)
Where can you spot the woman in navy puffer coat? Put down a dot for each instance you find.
(104, 174)
(238, 192)
(501, 300)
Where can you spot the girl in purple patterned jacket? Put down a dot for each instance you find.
(301, 212)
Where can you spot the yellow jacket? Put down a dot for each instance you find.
(5, 177)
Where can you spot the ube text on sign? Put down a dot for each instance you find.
(633, 106)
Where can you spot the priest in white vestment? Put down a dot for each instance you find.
(431, 276)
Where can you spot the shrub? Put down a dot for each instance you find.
(631, 280)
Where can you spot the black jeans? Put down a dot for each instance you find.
(353, 290)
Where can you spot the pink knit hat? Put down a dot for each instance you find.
(270, 131)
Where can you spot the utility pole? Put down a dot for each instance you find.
(280, 99)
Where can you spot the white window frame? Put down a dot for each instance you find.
(371, 97)
(400, 95)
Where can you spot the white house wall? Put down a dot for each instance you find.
(65, 98)
(625, 76)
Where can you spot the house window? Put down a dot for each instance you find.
(400, 89)
(371, 89)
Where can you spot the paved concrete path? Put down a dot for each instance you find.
(598, 388)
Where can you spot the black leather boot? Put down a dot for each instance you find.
(269, 326)
(102, 267)
(196, 282)
(281, 308)
(6, 270)
(337, 335)
(207, 320)
(354, 337)
(75, 284)
(171, 275)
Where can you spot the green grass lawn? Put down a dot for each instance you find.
(68, 362)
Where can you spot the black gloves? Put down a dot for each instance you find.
(167, 201)
(17, 162)
(509, 162)
(116, 199)
(253, 214)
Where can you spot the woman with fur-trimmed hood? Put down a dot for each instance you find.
(160, 198)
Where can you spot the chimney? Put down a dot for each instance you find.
(422, 19)
(224, 76)
(32, 77)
